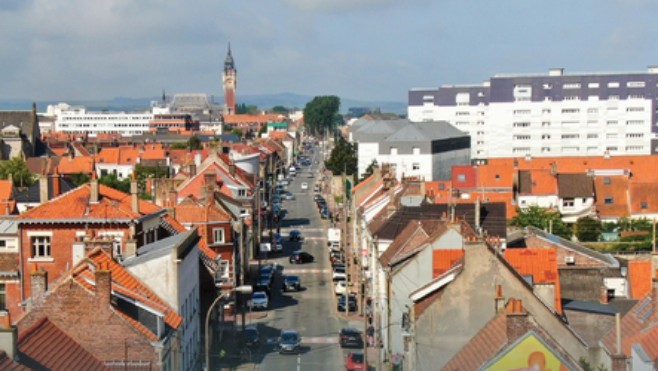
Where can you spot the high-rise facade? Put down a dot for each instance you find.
(229, 81)
(547, 115)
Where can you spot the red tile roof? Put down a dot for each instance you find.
(75, 205)
(644, 198)
(125, 283)
(51, 348)
(6, 190)
(444, 259)
(80, 164)
(639, 278)
(541, 263)
(612, 196)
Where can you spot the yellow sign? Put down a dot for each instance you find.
(530, 354)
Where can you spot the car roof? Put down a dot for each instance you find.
(349, 329)
(292, 276)
(289, 332)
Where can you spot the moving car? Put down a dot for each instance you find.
(251, 336)
(300, 257)
(350, 338)
(295, 235)
(350, 301)
(289, 196)
(292, 283)
(304, 185)
(355, 361)
(259, 300)
(289, 342)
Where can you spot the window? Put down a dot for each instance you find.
(3, 297)
(545, 149)
(3, 244)
(613, 84)
(521, 124)
(570, 136)
(592, 136)
(521, 149)
(242, 192)
(394, 150)
(415, 166)
(606, 180)
(546, 123)
(636, 96)
(570, 110)
(573, 85)
(635, 109)
(218, 235)
(415, 150)
(568, 203)
(463, 113)
(548, 86)
(461, 177)
(546, 136)
(546, 111)
(592, 110)
(522, 137)
(608, 200)
(521, 112)
(611, 136)
(613, 97)
(40, 246)
(634, 122)
(644, 205)
(442, 186)
(612, 122)
(635, 84)
(593, 85)
(572, 97)
(634, 135)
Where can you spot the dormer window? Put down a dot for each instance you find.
(242, 192)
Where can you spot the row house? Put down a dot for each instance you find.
(249, 124)
(47, 233)
(121, 161)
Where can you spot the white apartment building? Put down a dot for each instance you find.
(554, 114)
(70, 119)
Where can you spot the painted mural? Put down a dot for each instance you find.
(529, 354)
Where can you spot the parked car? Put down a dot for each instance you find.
(355, 361)
(336, 258)
(295, 235)
(300, 257)
(292, 283)
(350, 337)
(340, 288)
(350, 301)
(304, 186)
(289, 196)
(325, 214)
(289, 342)
(259, 300)
(339, 273)
(251, 336)
(317, 197)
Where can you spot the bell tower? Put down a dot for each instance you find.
(229, 81)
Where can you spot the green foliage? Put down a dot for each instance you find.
(263, 130)
(588, 229)
(179, 145)
(237, 132)
(242, 109)
(79, 178)
(586, 366)
(609, 227)
(280, 109)
(111, 180)
(320, 113)
(145, 172)
(18, 170)
(343, 158)
(194, 143)
(544, 219)
(370, 169)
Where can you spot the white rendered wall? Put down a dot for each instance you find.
(78, 120)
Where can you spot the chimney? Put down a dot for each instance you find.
(231, 168)
(131, 248)
(57, 183)
(192, 169)
(43, 188)
(603, 295)
(8, 335)
(39, 286)
(93, 193)
(499, 301)
(618, 357)
(210, 179)
(134, 197)
(477, 215)
(172, 199)
(517, 321)
(103, 284)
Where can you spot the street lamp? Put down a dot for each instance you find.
(245, 289)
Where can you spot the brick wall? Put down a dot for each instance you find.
(98, 329)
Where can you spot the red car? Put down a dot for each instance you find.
(355, 361)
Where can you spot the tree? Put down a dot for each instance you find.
(543, 219)
(343, 158)
(370, 169)
(111, 180)
(588, 229)
(79, 178)
(178, 145)
(194, 143)
(280, 109)
(320, 113)
(18, 170)
(144, 172)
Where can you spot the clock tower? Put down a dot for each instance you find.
(229, 80)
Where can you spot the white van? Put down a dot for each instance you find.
(292, 171)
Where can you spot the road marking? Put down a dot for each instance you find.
(320, 340)
(305, 270)
(299, 362)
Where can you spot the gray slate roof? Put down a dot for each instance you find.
(403, 130)
(27, 121)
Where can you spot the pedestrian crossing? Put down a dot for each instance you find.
(306, 270)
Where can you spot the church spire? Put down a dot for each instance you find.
(229, 65)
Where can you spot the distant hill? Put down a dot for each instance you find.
(263, 101)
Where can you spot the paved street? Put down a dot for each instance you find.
(312, 311)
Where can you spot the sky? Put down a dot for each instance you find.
(370, 50)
